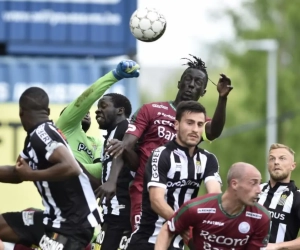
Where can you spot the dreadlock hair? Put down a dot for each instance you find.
(121, 101)
(197, 63)
(34, 98)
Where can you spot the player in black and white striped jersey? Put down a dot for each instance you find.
(71, 212)
(112, 115)
(174, 173)
(282, 198)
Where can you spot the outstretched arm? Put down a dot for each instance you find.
(214, 128)
(76, 110)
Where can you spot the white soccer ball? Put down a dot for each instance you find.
(147, 24)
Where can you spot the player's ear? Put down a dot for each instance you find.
(176, 125)
(294, 165)
(203, 92)
(120, 111)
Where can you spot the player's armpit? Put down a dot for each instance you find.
(213, 186)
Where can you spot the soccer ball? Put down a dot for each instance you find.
(147, 25)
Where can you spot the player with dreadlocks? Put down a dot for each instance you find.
(153, 125)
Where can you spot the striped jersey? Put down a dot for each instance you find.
(120, 204)
(172, 168)
(283, 203)
(69, 204)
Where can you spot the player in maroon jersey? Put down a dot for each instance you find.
(153, 126)
(233, 220)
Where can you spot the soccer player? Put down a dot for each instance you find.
(233, 220)
(112, 114)
(71, 211)
(153, 126)
(173, 175)
(282, 198)
(75, 119)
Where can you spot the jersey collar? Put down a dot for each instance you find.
(184, 149)
(290, 185)
(38, 124)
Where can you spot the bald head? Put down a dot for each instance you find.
(240, 170)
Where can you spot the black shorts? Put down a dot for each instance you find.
(112, 237)
(29, 227)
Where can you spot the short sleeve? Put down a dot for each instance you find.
(139, 121)
(157, 168)
(212, 169)
(45, 139)
(182, 219)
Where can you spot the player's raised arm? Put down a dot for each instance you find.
(211, 176)
(77, 109)
(214, 128)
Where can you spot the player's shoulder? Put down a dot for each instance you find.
(203, 201)
(258, 212)
(162, 150)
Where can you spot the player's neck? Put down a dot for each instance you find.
(273, 183)
(34, 120)
(230, 205)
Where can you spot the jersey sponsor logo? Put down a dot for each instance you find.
(159, 106)
(183, 183)
(206, 210)
(216, 223)
(154, 164)
(82, 147)
(28, 218)
(165, 133)
(40, 131)
(244, 227)
(276, 215)
(131, 128)
(164, 122)
(254, 215)
(222, 240)
(166, 115)
(47, 243)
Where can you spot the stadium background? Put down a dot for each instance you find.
(55, 45)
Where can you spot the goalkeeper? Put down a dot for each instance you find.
(75, 120)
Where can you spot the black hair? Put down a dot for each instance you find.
(121, 101)
(34, 98)
(196, 64)
(189, 106)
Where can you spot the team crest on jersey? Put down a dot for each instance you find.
(198, 166)
(282, 200)
(244, 227)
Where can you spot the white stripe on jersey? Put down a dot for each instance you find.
(288, 203)
(280, 235)
(276, 197)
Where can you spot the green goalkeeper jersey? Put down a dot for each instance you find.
(86, 149)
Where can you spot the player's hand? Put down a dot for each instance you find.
(106, 190)
(23, 169)
(272, 246)
(114, 148)
(185, 235)
(126, 69)
(224, 86)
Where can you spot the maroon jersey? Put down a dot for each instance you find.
(214, 229)
(153, 124)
